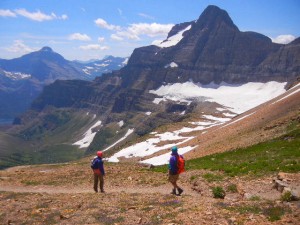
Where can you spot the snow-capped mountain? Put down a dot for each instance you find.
(22, 79)
(106, 65)
(205, 73)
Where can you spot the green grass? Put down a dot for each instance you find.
(210, 177)
(280, 154)
(286, 196)
(49, 154)
(273, 213)
(232, 188)
(218, 192)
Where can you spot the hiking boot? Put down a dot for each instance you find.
(173, 191)
(179, 191)
(96, 191)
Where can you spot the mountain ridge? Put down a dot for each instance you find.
(22, 79)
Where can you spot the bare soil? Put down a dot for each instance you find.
(63, 194)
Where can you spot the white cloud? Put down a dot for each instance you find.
(146, 16)
(39, 16)
(116, 37)
(79, 37)
(64, 17)
(94, 47)
(152, 30)
(103, 24)
(126, 34)
(284, 39)
(7, 13)
(101, 39)
(19, 47)
(134, 31)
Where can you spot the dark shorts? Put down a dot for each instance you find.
(173, 178)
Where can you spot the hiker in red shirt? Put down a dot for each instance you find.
(99, 173)
(176, 166)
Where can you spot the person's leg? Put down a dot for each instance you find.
(101, 183)
(95, 182)
(173, 180)
(180, 190)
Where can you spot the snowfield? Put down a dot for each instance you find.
(238, 98)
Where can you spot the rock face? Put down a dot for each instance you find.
(214, 50)
(211, 50)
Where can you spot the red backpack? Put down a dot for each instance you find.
(180, 164)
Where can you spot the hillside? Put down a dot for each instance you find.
(135, 194)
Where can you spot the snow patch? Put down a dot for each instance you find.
(292, 93)
(125, 61)
(213, 118)
(102, 64)
(86, 71)
(121, 123)
(151, 145)
(158, 100)
(239, 98)
(130, 131)
(148, 113)
(173, 40)
(228, 124)
(164, 158)
(229, 114)
(88, 136)
(172, 65)
(16, 75)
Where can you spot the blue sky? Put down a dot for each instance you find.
(92, 29)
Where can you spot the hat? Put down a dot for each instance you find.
(99, 154)
(174, 149)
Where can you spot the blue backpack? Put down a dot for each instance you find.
(94, 163)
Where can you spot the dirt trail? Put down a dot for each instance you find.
(164, 189)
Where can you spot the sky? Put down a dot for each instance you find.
(93, 29)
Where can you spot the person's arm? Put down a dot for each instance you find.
(173, 165)
(101, 167)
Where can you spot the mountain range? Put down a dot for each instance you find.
(22, 79)
(152, 92)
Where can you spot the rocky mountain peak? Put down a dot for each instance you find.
(46, 49)
(213, 17)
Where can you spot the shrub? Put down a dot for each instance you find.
(232, 188)
(218, 192)
(274, 213)
(286, 196)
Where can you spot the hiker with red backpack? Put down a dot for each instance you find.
(176, 166)
(99, 173)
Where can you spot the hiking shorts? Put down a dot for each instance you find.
(173, 178)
